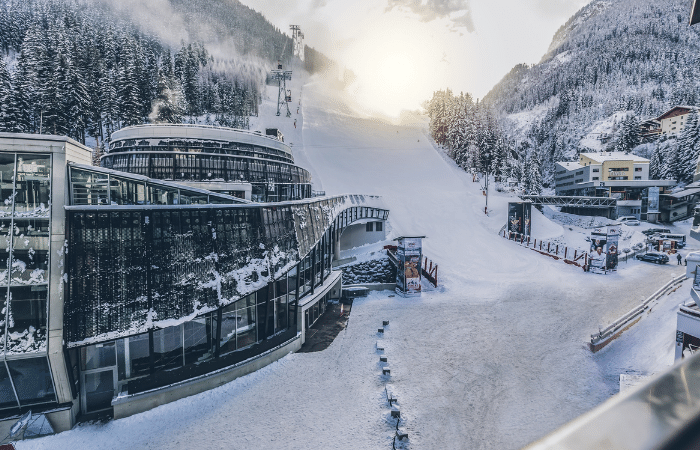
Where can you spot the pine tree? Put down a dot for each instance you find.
(688, 143)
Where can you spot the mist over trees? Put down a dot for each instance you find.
(77, 68)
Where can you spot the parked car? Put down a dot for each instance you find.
(658, 258)
(629, 220)
(651, 231)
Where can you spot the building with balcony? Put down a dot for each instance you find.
(123, 292)
(618, 175)
(672, 122)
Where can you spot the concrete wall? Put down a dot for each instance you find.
(356, 235)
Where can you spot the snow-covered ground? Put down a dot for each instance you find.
(493, 359)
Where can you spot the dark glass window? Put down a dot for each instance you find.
(7, 394)
(167, 348)
(32, 380)
(379, 226)
(7, 178)
(32, 190)
(139, 360)
(369, 226)
(198, 340)
(98, 356)
(27, 319)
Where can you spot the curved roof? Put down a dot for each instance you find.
(186, 131)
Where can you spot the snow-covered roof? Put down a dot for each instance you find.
(677, 111)
(614, 156)
(570, 165)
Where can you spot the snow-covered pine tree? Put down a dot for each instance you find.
(688, 143)
(5, 92)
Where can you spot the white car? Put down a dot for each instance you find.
(628, 220)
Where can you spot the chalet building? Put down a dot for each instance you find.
(672, 122)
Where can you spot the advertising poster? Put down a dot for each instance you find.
(597, 258)
(603, 254)
(519, 218)
(409, 253)
(612, 247)
(653, 206)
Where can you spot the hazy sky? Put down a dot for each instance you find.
(403, 50)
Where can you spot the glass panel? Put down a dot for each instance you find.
(7, 394)
(228, 332)
(7, 177)
(246, 327)
(98, 356)
(32, 379)
(281, 312)
(139, 363)
(167, 348)
(124, 192)
(30, 251)
(4, 250)
(163, 196)
(198, 340)
(32, 190)
(99, 390)
(89, 188)
(26, 319)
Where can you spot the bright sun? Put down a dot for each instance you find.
(393, 69)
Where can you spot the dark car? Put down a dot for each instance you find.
(658, 258)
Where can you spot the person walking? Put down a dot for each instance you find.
(679, 258)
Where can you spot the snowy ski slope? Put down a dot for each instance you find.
(492, 359)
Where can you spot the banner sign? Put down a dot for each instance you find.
(519, 218)
(653, 203)
(604, 249)
(409, 252)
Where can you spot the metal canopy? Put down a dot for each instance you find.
(570, 200)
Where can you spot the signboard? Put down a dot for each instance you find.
(653, 203)
(612, 247)
(409, 253)
(603, 255)
(520, 218)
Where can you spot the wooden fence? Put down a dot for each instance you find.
(576, 257)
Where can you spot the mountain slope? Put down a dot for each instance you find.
(638, 56)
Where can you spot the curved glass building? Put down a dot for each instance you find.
(236, 162)
(123, 291)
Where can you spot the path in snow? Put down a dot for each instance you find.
(493, 359)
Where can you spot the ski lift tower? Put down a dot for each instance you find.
(283, 98)
(298, 40)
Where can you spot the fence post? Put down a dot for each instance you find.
(548, 246)
(575, 252)
(557, 249)
(566, 249)
(528, 241)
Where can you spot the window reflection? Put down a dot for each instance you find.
(32, 380)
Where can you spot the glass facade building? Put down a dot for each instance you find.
(200, 154)
(119, 286)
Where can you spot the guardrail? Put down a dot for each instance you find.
(615, 329)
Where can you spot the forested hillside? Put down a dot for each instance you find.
(612, 65)
(85, 68)
(639, 57)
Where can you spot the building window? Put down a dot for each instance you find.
(595, 178)
(369, 226)
(637, 169)
(596, 170)
(637, 178)
(379, 226)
